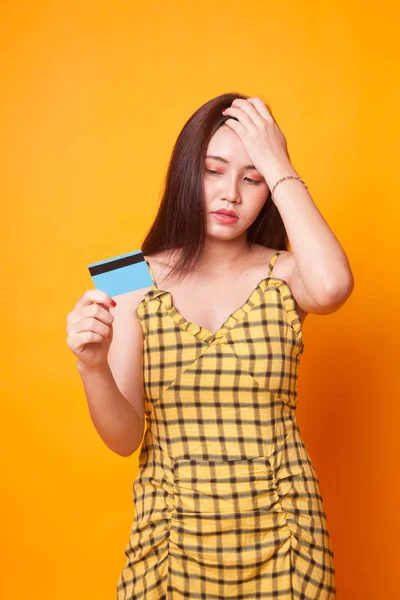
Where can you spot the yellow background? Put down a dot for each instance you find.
(93, 96)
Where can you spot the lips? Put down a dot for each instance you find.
(230, 213)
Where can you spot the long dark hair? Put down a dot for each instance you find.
(179, 225)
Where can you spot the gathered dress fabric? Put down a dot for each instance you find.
(227, 503)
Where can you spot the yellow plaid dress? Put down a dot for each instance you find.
(227, 502)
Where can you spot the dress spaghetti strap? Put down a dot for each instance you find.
(273, 261)
(150, 271)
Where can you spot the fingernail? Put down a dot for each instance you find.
(113, 303)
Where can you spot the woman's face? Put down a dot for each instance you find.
(231, 184)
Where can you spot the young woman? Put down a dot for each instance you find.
(227, 501)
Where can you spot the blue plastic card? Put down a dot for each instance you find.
(121, 274)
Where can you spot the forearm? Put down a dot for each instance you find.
(114, 418)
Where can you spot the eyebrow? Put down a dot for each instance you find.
(227, 161)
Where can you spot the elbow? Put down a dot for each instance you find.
(128, 441)
(336, 291)
(128, 444)
(126, 454)
(125, 450)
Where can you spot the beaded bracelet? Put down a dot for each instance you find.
(283, 179)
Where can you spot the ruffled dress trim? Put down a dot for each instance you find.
(236, 317)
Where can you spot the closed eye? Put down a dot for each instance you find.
(248, 178)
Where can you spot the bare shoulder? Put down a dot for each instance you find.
(161, 263)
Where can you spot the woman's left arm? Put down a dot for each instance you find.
(317, 269)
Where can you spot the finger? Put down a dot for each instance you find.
(84, 338)
(100, 312)
(87, 328)
(97, 296)
(250, 110)
(236, 125)
(242, 116)
(262, 108)
(90, 324)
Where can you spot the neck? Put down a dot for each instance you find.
(220, 255)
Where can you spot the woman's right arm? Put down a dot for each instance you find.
(111, 368)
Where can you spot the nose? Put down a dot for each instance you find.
(231, 191)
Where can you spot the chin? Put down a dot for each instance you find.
(220, 234)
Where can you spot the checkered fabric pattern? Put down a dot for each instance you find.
(227, 501)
